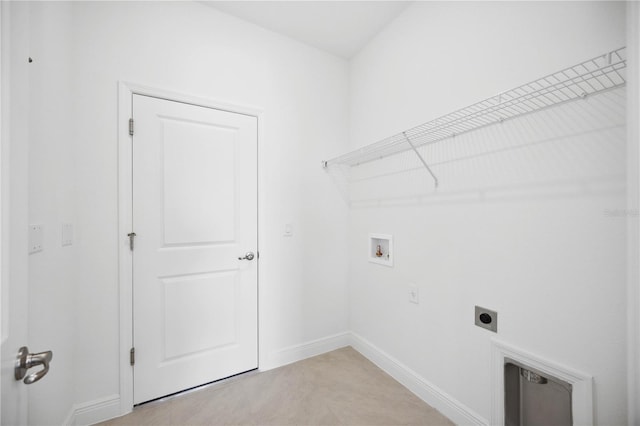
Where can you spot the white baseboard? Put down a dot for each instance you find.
(429, 393)
(109, 407)
(98, 410)
(68, 421)
(306, 350)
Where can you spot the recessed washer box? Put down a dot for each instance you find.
(486, 318)
(381, 249)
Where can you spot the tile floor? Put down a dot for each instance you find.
(337, 388)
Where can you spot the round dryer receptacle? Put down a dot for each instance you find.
(485, 318)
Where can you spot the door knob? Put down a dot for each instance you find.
(25, 361)
(248, 256)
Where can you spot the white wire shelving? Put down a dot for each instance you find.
(604, 72)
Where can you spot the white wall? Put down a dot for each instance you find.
(433, 59)
(51, 202)
(82, 50)
(544, 253)
(193, 49)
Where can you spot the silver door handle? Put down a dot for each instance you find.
(248, 256)
(26, 360)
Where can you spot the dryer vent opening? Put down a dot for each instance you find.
(533, 398)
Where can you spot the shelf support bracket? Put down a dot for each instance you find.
(426, 166)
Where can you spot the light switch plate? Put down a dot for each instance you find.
(35, 238)
(67, 234)
(414, 294)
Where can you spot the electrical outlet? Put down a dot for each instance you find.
(414, 294)
(486, 318)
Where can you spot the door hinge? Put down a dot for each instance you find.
(132, 356)
(131, 127)
(132, 236)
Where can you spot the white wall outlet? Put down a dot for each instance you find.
(35, 239)
(414, 294)
(67, 234)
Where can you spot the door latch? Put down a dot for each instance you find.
(26, 360)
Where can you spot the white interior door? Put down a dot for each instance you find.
(194, 216)
(14, 208)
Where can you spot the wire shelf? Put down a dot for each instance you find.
(595, 75)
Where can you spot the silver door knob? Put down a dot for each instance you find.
(26, 360)
(248, 256)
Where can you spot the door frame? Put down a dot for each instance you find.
(126, 90)
(633, 204)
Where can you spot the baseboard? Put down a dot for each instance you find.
(98, 410)
(109, 407)
(429, 393)
(68, 421)
(306, 350)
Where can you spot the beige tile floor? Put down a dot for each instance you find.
(337, 388)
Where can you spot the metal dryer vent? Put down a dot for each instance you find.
(533, 398)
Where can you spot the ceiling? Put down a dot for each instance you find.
(338, 27)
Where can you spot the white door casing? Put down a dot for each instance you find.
(194, 215)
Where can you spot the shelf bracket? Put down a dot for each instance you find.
(426, 166)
